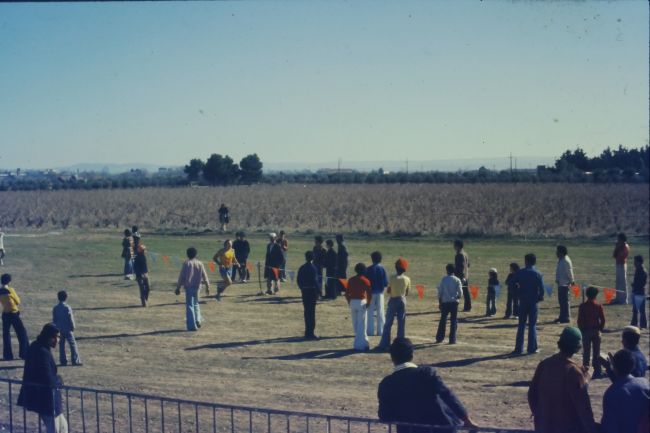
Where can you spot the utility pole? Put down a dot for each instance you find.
(407, 166)
(339, 171)
(511, 164)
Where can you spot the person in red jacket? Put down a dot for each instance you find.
(591, 321)
(359, 294)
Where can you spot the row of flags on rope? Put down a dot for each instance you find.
(577, 290)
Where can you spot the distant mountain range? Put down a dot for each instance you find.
(412, 166)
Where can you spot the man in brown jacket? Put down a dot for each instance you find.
(558, 395)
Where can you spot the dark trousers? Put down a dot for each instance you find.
(591, 341)
(527, 315)
(491, 302)
(466, 297)
(563, 300)
(9, 320)
(448, 309)
(331, 285)
(638, 311)
(143, 284)
(309, 297)
(512, 304)
(319, 278)
(243, 271)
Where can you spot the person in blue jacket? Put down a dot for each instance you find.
(531, 291)
(309, 288)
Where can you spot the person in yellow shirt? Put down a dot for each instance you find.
(226, 259)
(11, 317)
(398, 289)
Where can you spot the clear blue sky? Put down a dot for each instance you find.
(309, 82)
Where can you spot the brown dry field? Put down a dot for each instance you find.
(248, 351)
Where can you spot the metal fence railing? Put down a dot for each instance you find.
(104, 411)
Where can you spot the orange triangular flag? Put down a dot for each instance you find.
(276, 272)
(609, 294)
(212, 266)
(576, 290)
(249, 266)
(165, 259)
(473, 290)
(344, 282)
(420, 289)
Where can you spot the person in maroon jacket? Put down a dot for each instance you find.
(591, 321)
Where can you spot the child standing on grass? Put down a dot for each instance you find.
(591, 321)
(64, 320)
(141, 273)
(512, 302)
(11, 317)
(638, 293)
(398, 288)
(359, 295)
(493, 281)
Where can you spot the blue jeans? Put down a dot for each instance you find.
(396, 308)
(128, 266)
(638, 309)
(192, 308)
(69, 337)
(527, 313)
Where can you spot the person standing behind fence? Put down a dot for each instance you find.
(512, 301)
(272, 264)
(127, 254)
(341, 262)
(416, 394)
(378, 281)
(531, 291)
(398, 288)
(331, 283)
(191, 276)
(11, 317)
(142, 273)
(591, 321)
(564, 278)
(359, 295)
(242, 250)
(2, 247)
(63, 318)
(319, 261)
(224, 217)
(621, 252)
(461, 266)
(639, 294)
(226, 259)
(284, 247)
(557, 395)
(491, 301)
(450, 291)
(307, 280)
(40, 391)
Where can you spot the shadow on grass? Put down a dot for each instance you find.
(519, 384)
(11, 367)
(126, 307)
(95, 275)
(233, 344)
(313, 354)
(469, 361)
(501, 326)
(125, 335)
(276, 300)
(423, 313)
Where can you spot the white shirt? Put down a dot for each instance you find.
(450, 289)
(405, 365)
(564, 271)
(2, 241)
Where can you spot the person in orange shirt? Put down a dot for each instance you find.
(621, 252)
(359, 294)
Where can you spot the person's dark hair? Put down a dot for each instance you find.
(49, 330)
(623, 362)
(530, 259)
(630, 338)
(226, 242)
(127, 232)
(514, 266)
(318, 239)
(622, 237)
(309, 256)
(191, 252)
(62, 295)
(638, 259)
(5, 279)
(375, 256)
(329, 243)
(562, 250)
(281, 233)
(401, 350)
(450, 268)
(339, 238)
(134, 229)
(360, 269)
(591, 292)
(458, 243)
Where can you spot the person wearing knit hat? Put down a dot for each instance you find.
(41, 391)
(557, 395)
(398, 288)
(491, 301)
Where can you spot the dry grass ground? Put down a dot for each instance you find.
(248, 351)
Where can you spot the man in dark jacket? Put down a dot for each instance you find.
(272, 265)
(341, 261)
(319, 261)
(331, 283)
(417, 395)
(242, 250)
(39, 392)
(461, 270)
(308, 283)
(531, 291)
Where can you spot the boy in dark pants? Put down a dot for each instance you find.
(11, 317)
(308, 284)
(512, 303)
(64, 320)
(638, 294)
(491, 302)
(591, 321)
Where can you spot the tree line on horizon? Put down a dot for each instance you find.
(620, 165)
